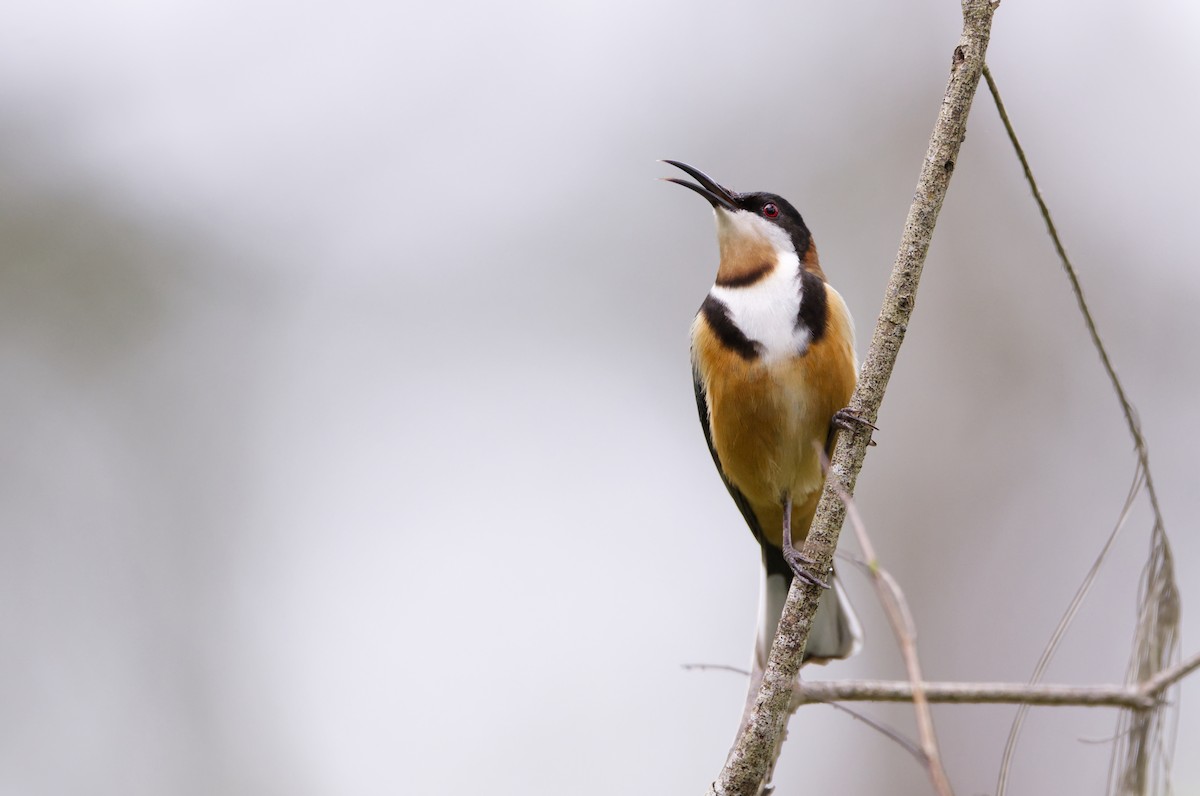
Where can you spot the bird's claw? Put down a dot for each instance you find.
(847, 420)
(801, 566)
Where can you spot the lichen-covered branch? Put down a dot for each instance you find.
(753, 756)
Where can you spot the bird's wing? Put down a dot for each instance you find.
(738, 498)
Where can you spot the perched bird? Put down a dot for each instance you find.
(774, 365)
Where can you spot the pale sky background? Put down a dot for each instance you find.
(348, 440)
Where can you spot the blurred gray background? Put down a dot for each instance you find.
(348, 436)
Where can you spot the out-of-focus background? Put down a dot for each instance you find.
(348, 440)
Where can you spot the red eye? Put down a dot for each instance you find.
(770, 210)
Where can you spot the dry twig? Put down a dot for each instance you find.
(904, 628)
(1010, 745)
(1141, 696)
(1156, 639)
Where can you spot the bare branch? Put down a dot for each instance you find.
(757, 746)
(1118, 696)
(1143, 696)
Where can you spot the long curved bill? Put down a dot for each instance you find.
(717, 195)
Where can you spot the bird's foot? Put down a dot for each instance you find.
(847, 420)
(802, 567)
(800, 564)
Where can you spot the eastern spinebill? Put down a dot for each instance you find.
(773, 365)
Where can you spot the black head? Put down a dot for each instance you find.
(778, 211)
(768, 206)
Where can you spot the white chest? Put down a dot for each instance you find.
(767, 311)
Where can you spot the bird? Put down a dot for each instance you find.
(774, 367)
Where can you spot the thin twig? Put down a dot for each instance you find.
(890, 732)
(904, 628)
(878, 726)
(1139, 695)
(1106, 739)
(1043, 694)
(1169, 677)
(1014, 732)
(715, 667)
(760, 736)
(1135, 428)
(1156, 638)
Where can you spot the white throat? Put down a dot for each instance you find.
(767, 311)
(736, 227)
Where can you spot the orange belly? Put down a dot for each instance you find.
(767, 420)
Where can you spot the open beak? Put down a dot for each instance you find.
(710, 190)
